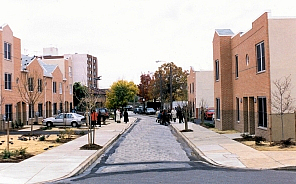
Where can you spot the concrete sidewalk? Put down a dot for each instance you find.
(220, 149)
(64, 160)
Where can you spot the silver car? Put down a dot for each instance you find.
(68, 119)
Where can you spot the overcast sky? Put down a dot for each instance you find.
(128, 36)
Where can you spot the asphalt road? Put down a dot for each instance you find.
(153, 153)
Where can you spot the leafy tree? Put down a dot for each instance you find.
(144, 86)
(161, 83)
(121, 93)
(78, 94)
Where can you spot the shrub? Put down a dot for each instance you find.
(6, 154)
(286, 143)
(42, 138)
(210, 125)
(258, 139)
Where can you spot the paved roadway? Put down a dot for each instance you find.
(152, 153)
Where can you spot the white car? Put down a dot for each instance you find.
(64, 119)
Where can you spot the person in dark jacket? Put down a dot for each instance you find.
(99, 118)
(125, 116)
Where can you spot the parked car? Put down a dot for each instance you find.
(62, 119)
(209, 114)
(104, 112)
(138, 110)
(150, 111)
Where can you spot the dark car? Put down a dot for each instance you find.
(104, 112)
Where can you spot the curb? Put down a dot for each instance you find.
(195, 149)
(91, 159)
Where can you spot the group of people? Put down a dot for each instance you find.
(118, 116)
(165, 116)
(96, 118)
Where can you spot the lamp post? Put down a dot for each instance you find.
(171, 85)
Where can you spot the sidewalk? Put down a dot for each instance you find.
(220, 149)
(64, 160)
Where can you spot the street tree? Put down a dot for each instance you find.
(282, 101)
(30, 88)
(121, 92)
(160, 83)
(143, 87)
(78, 94)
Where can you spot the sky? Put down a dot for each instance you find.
(128, 36)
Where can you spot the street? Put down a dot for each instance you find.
(152, 153)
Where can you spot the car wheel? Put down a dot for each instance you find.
(74, 124)
(48, 124)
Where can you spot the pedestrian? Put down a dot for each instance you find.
(180, 115)
(94, 116)
(118, 116)
(174, 114)
(125, 116)
(99, 118)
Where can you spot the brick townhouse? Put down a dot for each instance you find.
(245, 67)
(55, 91)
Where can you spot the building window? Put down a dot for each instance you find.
(7, 50)
(61, 107)
(217, 69)
(262, 112)
(192, 87)
(247, 60)
(61, 88)
(39, 85)
(236, 66)
(71, 89)
(217, 108)
(40, 110)
(237, 109)
(31, 111)
(70, 71)
(8, 112)
(54, 87)
(7, 81)
(260, 57)
(54, 108)
(30, 84)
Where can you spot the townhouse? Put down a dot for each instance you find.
(201, 91)
(24, 77)
(245, 68)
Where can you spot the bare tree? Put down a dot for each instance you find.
(282, 101)
(30, 89)
(202, 105)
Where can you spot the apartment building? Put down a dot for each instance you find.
(24, 77)
(245, 68)
(84, 69)
(201, 90)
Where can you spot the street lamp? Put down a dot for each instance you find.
(171, 87)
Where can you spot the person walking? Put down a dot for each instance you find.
(174, 114)
(118, 116)
(125, 116)
(94, 117)
(99, 118)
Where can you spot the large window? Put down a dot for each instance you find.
(40, 111)
(61, 88)
(30, 84)
(7, 78)
(7, 50)
(39, 85)
(260, 57)
(31, 111)
(217, 69)
(8, 112)
(262, 112)
(236, 66)
(54, 87)
(217, 108)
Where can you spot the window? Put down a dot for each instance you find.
(54, 87)
(236, 66)
(40, 110)
(7, 81)
(71, 89)
(262, 113)
(39, 85)
(237, 109)
(217, 69)
(260, 57)
(7, 50)
(192, 87)
(70, 71)
(247, 60)
(8, 112)
(61, 88)
(61, 107)
(30, 84)
(31, 111)
(217, 108)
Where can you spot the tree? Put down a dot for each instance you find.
(78, 94)
(160, 83)
(144, 86)
(282, 101)
(30, 89)
(120, 94)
